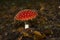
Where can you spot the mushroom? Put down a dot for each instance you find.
(25, 15)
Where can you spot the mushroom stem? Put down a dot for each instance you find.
(26, 25)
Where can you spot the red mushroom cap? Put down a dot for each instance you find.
(26, 14)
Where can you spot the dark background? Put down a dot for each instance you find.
(48, 17)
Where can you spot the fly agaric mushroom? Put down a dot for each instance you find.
(25, 15)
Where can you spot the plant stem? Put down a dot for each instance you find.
(26, 25)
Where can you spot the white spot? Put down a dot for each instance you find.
(26, 26)
(59, 6)
(25, 14)
(28, 14)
